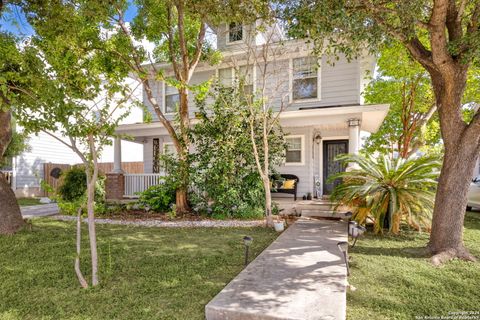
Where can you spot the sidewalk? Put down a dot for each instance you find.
(39, 210)
(301, 275)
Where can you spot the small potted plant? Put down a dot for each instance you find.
(279, 224)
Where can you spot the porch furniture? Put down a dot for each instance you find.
(280, 188)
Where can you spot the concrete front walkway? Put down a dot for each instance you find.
(41, 210)
(301, 275)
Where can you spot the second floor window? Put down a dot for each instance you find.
(172, 99)
(305, 78)
(235, 32)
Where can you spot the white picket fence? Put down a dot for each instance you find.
(140, 182)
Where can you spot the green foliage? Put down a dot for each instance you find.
(225, 178)
(17, 146)
(159, 198)
(74, 185)
(381, 187)
(402, 83)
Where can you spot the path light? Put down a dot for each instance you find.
(352, 225)
(356, 232)
(247, 241)
(343, 247)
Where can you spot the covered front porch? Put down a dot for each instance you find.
(315, 136)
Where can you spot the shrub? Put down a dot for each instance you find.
(158, 198)
(225, 177)
(72, 191)
(389, 190)
(73, 184)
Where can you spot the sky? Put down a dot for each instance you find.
(15, 22)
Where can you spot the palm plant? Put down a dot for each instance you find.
(385, 189)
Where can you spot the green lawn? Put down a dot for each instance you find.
(145, 273)
(23, 202)
(394, 282)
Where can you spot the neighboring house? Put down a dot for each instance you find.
(27, 168)
(323, 107)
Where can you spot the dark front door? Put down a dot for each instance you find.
(331, 149)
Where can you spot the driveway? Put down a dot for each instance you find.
(40, 210)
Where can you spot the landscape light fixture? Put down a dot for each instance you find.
(247, 241)
(351, 226)
(356, 232)
(343, 247)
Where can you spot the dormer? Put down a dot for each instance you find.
(236, 36)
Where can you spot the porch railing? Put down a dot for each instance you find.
(8, 176)
(139, 182)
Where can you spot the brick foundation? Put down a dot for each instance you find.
(114, 186)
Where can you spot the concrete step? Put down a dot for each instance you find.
(315, 213)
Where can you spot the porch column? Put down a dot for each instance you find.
(117, 155)
(353, 136)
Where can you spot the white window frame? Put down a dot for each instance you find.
(234, 74)
(302, 150)
(319, 81)
(228, 42)
(165, 99)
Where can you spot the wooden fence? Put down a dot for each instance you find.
(128, 167)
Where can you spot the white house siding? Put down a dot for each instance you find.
(340, 84)
(29, 165)
(304, 172)
(44, 149)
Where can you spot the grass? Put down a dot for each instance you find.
(394, 281)
(145, 273)
(23, 202)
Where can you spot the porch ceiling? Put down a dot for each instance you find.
(371, 117)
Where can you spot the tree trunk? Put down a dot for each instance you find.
(461, 143)
(446, 238)
(10, 216)
(78, 271)
(268, 203)
(181, 202)
(92, 175)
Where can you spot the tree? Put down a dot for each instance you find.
(87, 93)
(225, 175)
(177, 28)
(264, 108)
(17, 75)
(411, 123)
(444, 37)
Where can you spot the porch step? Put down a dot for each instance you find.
(315, 213)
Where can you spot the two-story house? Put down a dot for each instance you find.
(321, 102)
